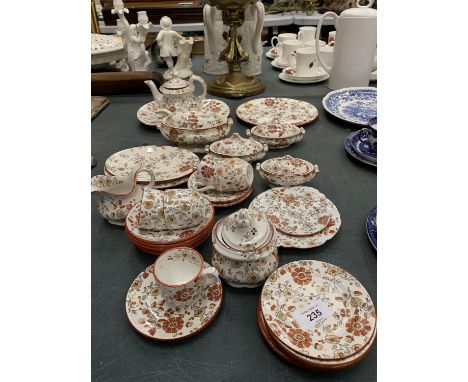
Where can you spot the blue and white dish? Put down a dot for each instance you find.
(371, 227)
(363, 148)
(354, 153)
(356, 105)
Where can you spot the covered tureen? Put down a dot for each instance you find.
(237, 147)
(287, 171)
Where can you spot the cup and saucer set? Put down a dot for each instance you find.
(362, 144)
(304, 68)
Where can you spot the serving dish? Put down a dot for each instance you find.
(237, 147)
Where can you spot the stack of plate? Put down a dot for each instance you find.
(289, 75)
(303, 217)
(172, 166)
(156, 242)
(360, 150)
(316, 315)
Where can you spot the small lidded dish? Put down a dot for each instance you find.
(287, 171)
(194, 128)
(245, 251)
(276, 134)
(237, 147)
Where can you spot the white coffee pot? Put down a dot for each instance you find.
(354, 56)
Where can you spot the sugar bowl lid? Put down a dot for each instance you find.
(276, 129)
(245, 230)
(236, 146)
(287, 165)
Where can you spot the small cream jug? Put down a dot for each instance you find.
(354, 56)
(119, 194)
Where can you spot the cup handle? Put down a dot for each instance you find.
(209, 276)
(289, 59)
(299, 35)
(364, 135)
(273, 39)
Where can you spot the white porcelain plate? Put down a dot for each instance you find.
(168, 163)
(348, 319)
(266, 110)
(291, 80)
(154, 318)
(276, 63)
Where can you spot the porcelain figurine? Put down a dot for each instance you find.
(123, 63)
(245, 249)
(119, 194)
(287, 171)
(177, 93)
(216, 36)
(167, 39)
(183, 66)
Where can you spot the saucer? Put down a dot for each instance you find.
(371, 227)
(151, 316)
(351, 151)
(285, 77)
(272, 53)
(363, 149)
(277, 64)
(220, 198)
(290, 71)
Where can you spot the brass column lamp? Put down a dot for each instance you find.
(235, 83)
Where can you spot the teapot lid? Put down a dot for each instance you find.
(245, 230)
(360, 11)
(175, 83)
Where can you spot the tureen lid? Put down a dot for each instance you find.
(235, 145)
(276, 129)
(195, 118)
(175, 83)
(245, 230)
(287, 165)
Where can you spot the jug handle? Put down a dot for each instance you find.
(194, 77)
(317, 39)
(150, 173)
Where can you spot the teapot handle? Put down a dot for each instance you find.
(194, 77)
(317, 39)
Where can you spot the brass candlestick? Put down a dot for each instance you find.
(235, 83)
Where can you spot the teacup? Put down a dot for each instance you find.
(181, 276)
(306, 62)
(282, 37)
(311, 43)
(327, 54)
(171, 209)
(223, 174)
(286, 47)
(369, 134)
(306, 33)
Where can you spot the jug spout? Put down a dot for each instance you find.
(154, 90)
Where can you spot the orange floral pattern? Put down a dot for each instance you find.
(300, 338)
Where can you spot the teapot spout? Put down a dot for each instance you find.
(154, 90)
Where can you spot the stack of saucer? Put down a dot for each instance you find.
(362, 144)
(303, 217)
(156, 242)
(289, 75)
(316, 315)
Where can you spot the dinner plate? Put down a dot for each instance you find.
(355, 105)
(351, 151)
(167, 162)
(286, 78)
(310, 302)
(371, 227)
(266, 110)
(155, 318)
(290, 72)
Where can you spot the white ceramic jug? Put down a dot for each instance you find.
(354, 56)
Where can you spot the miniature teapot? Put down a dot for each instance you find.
(354, 56)
(177, 92)
(119, 194)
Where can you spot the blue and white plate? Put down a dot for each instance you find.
(371, 227)
(353, 152)
(363, 148)
(356, 105)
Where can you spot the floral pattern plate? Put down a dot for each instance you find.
(154, 318)
(220, 198)
(148, 116)
(296, 212)
(356, 105)
(168, 163)
(287, 241)
(266, 110)
(351, 151)
(165, 236)
(161, 185)
(294, 286)
(371, 227)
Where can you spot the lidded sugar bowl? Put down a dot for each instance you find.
(245, 249)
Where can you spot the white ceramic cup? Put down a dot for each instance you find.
(284, 48)
(331, 38)
(311, 44)
(306, 62)
(282, 37)
(181, 276)
(327, 54)
(306, 33)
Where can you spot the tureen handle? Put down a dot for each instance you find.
(248, 133)
(207, 149)
(194, 77)
(265, 148)
(164, 111)
(260, 171)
